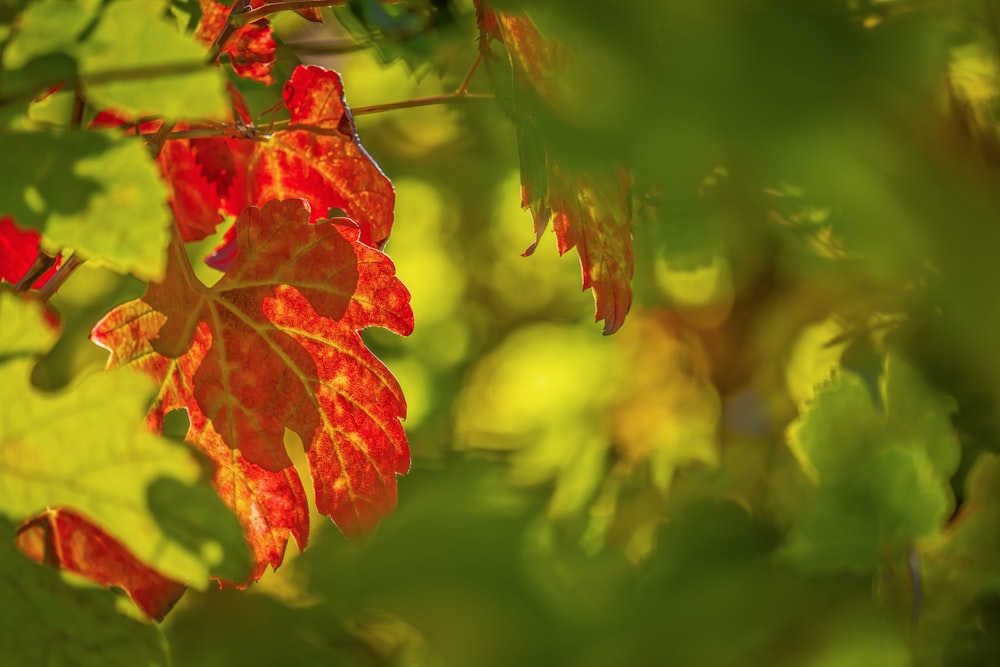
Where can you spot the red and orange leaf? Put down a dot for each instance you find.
(274, 345)
(271, 506)
(251, 49)
(68, 540)
(590, 212)
(319, 157)
(588, 207)
(18, 250)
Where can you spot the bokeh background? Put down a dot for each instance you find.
(814, 182)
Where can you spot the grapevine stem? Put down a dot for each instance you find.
(463, 88)
(420, 102)
(43, 262)
(56, 281)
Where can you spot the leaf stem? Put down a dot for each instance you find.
(245, 18)
(155, 145)
(56, 281)
(43, 262)
(420, 102)
(463, 88)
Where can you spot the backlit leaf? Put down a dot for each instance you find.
(275, 345)
(45, 620)
(251, 48)
(115, 469)
(881, 470)
(68, 540)
(317, 157)
(171, 79)
(90, 193)
(588, 206)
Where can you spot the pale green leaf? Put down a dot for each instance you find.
(172, 77)
(87, 448)
(95, 194)
(48, 26)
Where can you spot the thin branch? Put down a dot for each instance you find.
(326, 48)
(155, 145)
(430, 100)
(79, 104)
(463, 88)
(239, 7)
(275, 7)
(56, 281)
(107, 76)
(43, 262)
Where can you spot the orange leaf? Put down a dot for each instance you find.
(588, 206)
(317, 157)
(274, 345)
(63, 538)
(590, 211)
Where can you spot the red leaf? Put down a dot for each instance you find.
(18, 250)
(251, 49)
(317, 157)
(274, 345)
(589, 207)
(65, 539)
(590, 211)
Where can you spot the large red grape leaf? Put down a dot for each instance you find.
(588, 206)
(18, 249)
(67, 539)
(274, 345)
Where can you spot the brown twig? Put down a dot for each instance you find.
(430, 100)
(460, 94)
(56, 281)
(43, 262)
(155, 145)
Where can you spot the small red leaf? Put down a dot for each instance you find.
(590, 211)
(68, 540)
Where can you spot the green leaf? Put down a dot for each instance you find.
(882, 480)
(88, 448)
(92, 193)
(127, 55)
(891, 499)
(961, 563)
(172, 77)
(46, 619)
(49, 26)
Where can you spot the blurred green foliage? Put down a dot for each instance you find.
(814, 189)
(816, 236)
